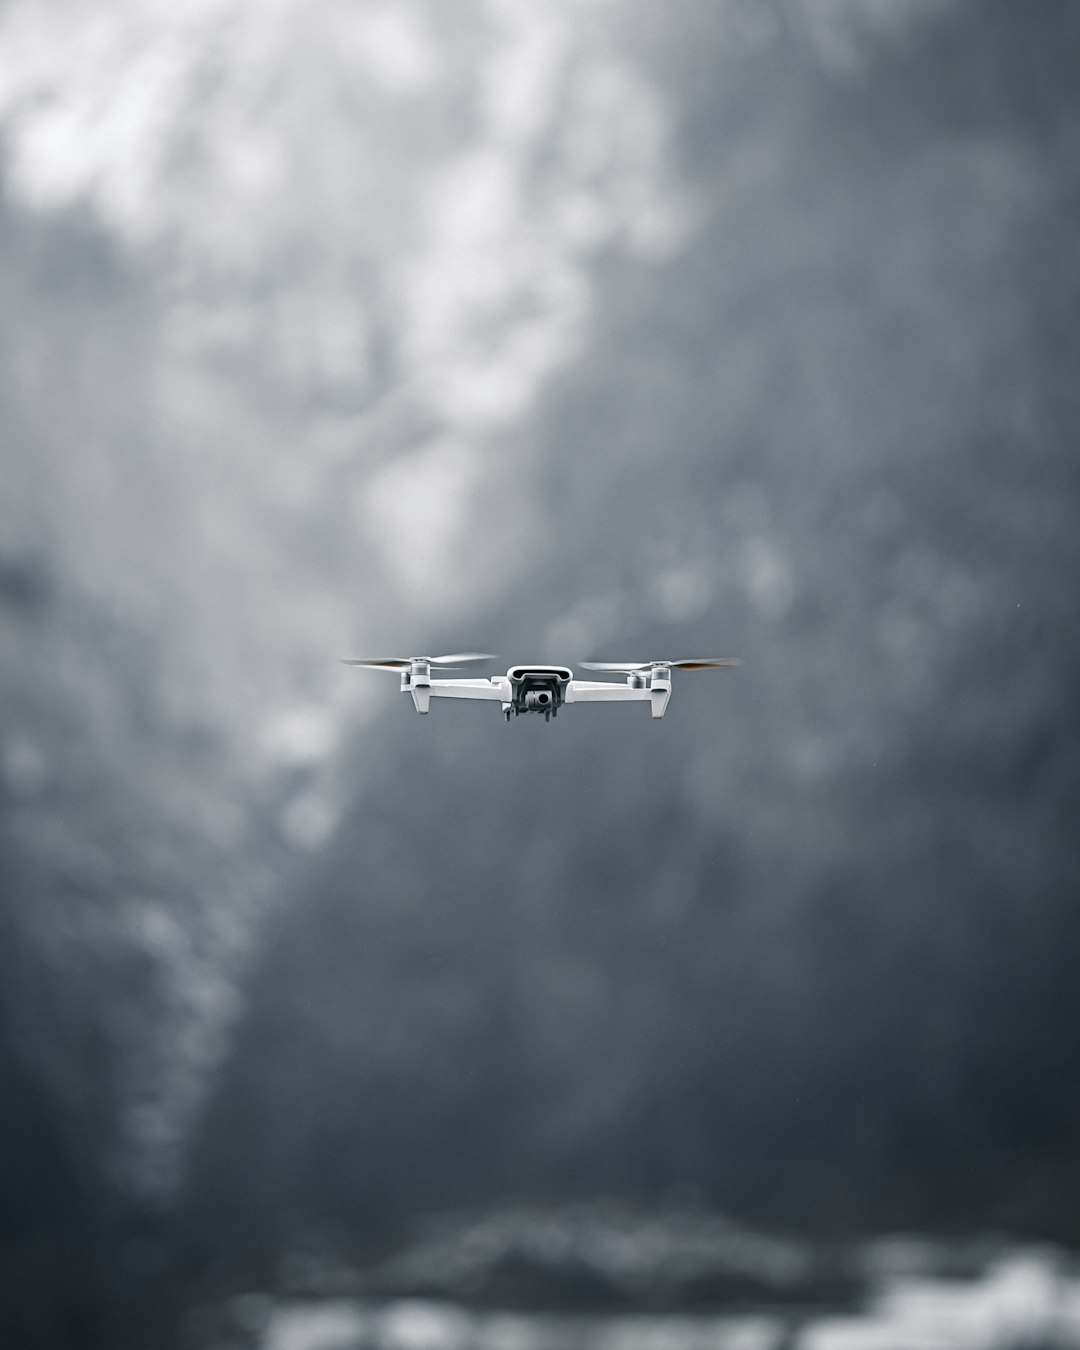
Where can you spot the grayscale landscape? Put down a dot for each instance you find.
(585, 329)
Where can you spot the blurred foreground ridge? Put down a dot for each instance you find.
(600, 1276)
(575, 328)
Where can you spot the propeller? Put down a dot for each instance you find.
(452, 662)
(699, 663)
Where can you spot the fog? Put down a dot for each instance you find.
(562, 331)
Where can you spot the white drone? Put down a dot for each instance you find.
(540, 689)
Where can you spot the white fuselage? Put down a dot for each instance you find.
(529, 688)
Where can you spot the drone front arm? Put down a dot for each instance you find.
(602, 691)
(497, 689)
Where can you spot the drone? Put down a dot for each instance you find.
(539, 688)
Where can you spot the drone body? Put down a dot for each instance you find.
(527, 688)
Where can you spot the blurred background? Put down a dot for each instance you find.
(590, 328)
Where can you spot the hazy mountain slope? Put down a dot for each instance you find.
(808, 944)
(275, 284)
(333, 328)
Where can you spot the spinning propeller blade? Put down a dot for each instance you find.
(699, 663)
(375, 665)
(710, 663)
(451, 662)
(460, 658)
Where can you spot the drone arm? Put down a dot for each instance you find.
(657, 693)
(601, 691)
(498, 690)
